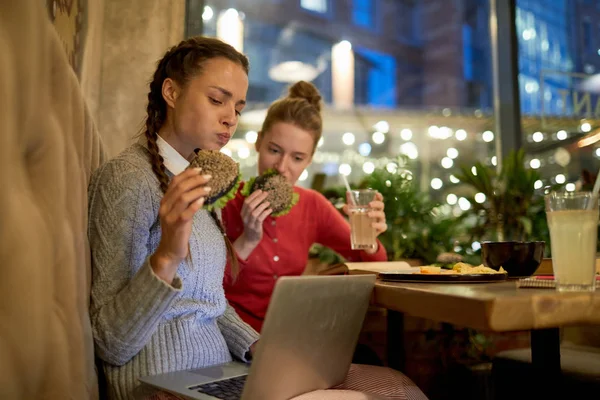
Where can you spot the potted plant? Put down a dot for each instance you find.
(511, 204)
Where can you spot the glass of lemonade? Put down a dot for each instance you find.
(573, 223)
(362, 234)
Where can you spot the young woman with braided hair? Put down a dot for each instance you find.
(158, 257)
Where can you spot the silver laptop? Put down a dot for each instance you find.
(307, 343)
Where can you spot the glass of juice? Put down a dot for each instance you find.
(573, 223)
(362, 234)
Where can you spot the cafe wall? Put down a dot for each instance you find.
(113, 47)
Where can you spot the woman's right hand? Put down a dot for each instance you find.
(254, 211)
(184, 197)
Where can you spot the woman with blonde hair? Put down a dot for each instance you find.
(269, 247)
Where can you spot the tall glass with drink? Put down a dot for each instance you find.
(362, 234)
(573, 223)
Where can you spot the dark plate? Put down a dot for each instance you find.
(439, 278)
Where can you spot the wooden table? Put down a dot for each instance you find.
(499, 307)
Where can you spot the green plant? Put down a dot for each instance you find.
(511, 209)
(325, 254)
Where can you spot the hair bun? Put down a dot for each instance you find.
(307, 91)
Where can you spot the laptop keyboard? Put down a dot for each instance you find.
(227, 389)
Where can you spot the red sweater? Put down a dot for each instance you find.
(283, 250)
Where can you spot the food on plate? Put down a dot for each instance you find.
(460, 268)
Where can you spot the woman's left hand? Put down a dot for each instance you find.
(376, 214)
(251, 351)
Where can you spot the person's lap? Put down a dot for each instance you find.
(335, 394)
(380, 382)
(363, 382)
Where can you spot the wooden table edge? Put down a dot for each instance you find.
(544, 309)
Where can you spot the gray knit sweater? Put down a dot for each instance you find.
(142, 325)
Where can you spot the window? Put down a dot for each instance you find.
(375, 78)
(556, 45)
(467, 36)
(407, 19)
(586, 32)
(363, 13)
(598, 45)
(409, 71)
(319, 6)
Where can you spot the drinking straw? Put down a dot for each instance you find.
(594, 191)
(348, 189)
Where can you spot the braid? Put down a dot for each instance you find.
(235, 268)
(157, 111)
(158, 165)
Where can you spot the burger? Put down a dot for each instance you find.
(281, 195)
(226, 176)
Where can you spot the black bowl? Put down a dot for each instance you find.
(519, 259)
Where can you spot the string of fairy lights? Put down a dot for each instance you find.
(354, 157)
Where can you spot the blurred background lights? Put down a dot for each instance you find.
(364, 149)
(303, 176)
(538, 137)
(345, 169)
(460, 134)
(535, 163)
(436, 183)
(378, 137)
(464, 204)
(586, 127)
(452, 152)
(392, 168)
(487, 136)
(251, 136)
(348, 138)
(561, 135)
(243, 153)
(447, 162)
(368, 167)
(207, 13)
(382, 126)
(410, 150)
(406, 134)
